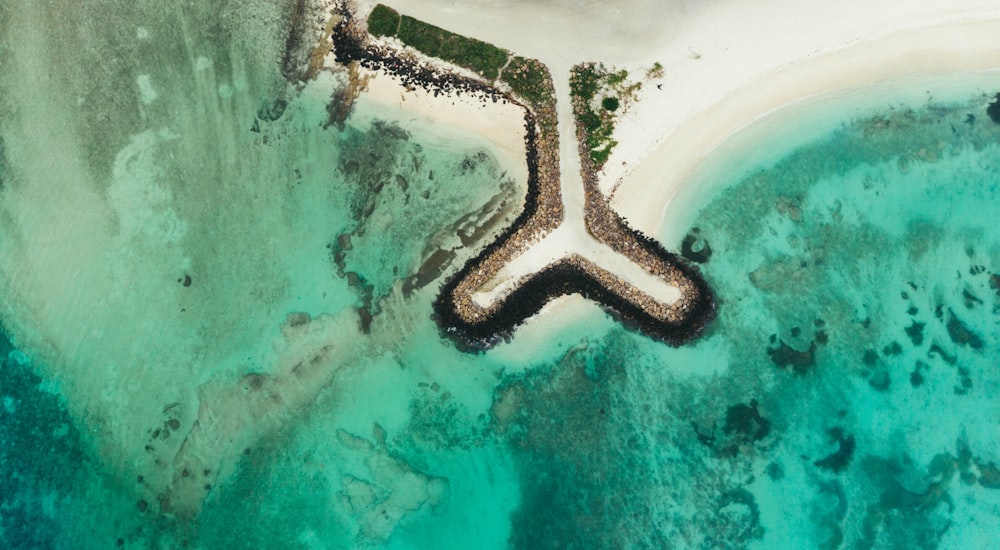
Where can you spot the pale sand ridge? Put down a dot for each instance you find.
(500, 123)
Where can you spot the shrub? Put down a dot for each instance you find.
(529, 79)
(589, 81)
(485, 59)
(383, 21)
(584, 81)
(656, 71)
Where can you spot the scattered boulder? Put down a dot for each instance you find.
(744, 420)
(785, 356)
(695, 248)
(994, 110)
(961, 335)
(840, 458)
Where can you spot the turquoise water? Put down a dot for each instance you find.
(845, 396)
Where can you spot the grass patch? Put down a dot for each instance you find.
(600, 96)
(383, 21)
(485, 59)
(656, 71)
(529, 79)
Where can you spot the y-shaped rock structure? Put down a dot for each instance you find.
(567, 240)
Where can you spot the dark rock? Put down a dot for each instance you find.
(993, 111)
(432, 268)
(840, 458)
(354, 279)
(344, 241)
(970, 299)
(745, 420)
(917, 377)
(696, 248)
(892, 349)
(366, 319)
(741, 498)
(296, 51)
(916, 333)
(937, 351)
(273, 111)
(785, 356)
(879, 379)
(297, 319)
(964, 381)
(989, 475)
(961, 335)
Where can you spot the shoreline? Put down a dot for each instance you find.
(727, 65)
(644, 190)
(741, 152)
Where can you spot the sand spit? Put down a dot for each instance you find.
(476, 325)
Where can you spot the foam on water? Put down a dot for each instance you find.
(160, 219)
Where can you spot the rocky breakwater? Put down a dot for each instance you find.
(477, 327)
(675, 323)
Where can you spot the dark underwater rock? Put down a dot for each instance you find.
(994, 110)
(695, 248)
(273, 111)
(879, 379)
(961, 335)
(745, 420)
(916, 333)
(800, 362)
(840, 458)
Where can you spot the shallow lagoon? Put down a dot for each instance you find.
(845, 396)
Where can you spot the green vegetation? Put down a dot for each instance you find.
(383, 21)
(485, 59)
(656, 71)
(599, 96)
(585, 82)
(529, 79)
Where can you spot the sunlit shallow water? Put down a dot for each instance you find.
(845, 396)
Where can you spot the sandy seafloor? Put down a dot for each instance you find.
(845, 397)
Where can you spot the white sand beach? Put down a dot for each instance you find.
(501, 123)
